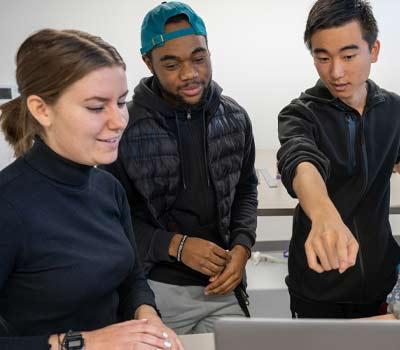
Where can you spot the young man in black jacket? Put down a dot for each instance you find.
(186, 161)
(340, 141)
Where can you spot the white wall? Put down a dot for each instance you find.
(257, 50)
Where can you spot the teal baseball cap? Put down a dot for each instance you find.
(153, 26)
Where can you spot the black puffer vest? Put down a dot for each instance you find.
(154, 154)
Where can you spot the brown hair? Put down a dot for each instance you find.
(47, 63)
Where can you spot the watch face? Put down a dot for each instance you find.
(74, 341)
(75, 344)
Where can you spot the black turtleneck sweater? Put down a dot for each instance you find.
(67, 254)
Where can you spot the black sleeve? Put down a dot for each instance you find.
(298, 137)
(23, 343)
(135, 290)
(244, 208)
(11, 246)
(152, 240)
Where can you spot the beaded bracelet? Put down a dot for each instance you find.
(180, 248)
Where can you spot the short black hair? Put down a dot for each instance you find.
(327, 14)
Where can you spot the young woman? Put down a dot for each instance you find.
(69, 271)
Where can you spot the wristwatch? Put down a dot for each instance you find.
(73, 341)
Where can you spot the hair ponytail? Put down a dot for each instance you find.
(17, 125)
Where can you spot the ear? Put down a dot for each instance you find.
(149, 64)
(375, 51)
(39, 110)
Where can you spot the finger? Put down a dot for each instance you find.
(217, 260)
(176, 342)
(150, 340)
(223, 254)
(342, 252)
(214, 278)
(149, 329)
(206, 271)
(352, 249)
(231, 288)
(220, 281)
(319, 250)
(224, 287)
(227, 288)
(329, 245)
(131, 323)
(312, 259)
(215, 269)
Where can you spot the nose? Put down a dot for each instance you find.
(337, 69)
(118, 118)
(188, 71)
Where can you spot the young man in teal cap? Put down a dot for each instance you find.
(186, 161)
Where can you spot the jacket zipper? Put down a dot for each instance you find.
(364, 157)
(361, 259)
(364, 163)
(351, 125)
(202, 171)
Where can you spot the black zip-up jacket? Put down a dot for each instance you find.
(156, 167)
(355, 155)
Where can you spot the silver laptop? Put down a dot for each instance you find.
(288, 334)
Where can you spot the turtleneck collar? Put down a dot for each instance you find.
(50, 164)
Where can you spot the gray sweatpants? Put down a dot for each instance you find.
(187, 310)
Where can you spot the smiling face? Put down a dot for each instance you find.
(182, 66)
(343, 61)
(87, 120)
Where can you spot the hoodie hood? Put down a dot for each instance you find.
(320, 93)
(148, 94)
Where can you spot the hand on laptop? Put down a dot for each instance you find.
(228, 280)
(148, 312)
(134, 334)
(204, 256)
(330, 245)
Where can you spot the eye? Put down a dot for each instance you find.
(349, 57)
(323, 59)
(171, 66)
(95, 109)
(122, 104)
(199, 59)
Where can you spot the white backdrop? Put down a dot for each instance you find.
(257, 50)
